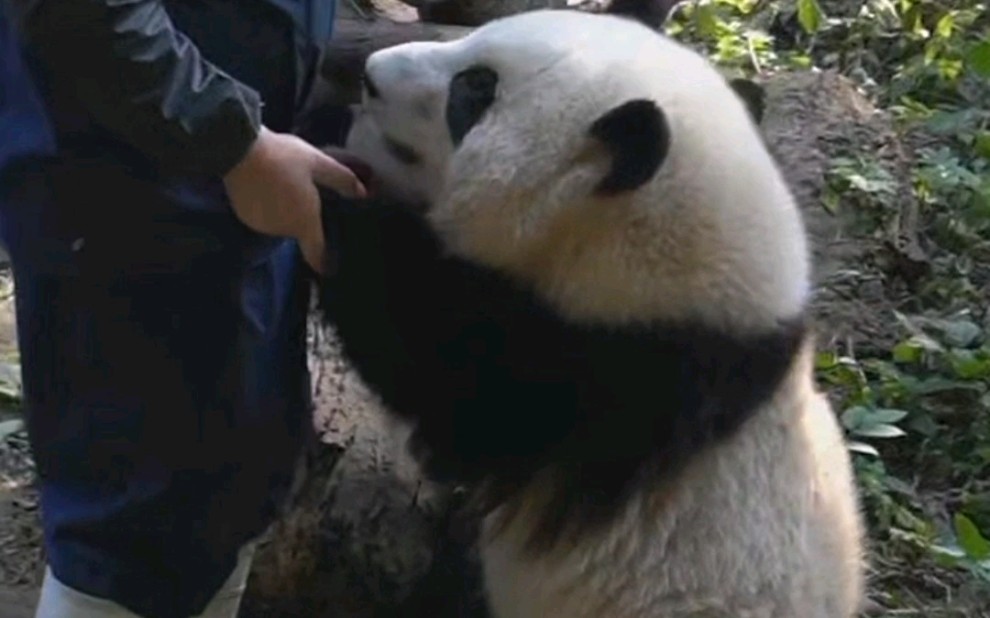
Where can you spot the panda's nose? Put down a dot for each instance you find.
(369, 86)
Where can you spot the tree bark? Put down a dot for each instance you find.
(477, 12)
(355, 39)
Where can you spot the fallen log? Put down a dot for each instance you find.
(477, 12)
(355, 38)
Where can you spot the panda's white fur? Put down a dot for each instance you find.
(765, 524)
(737, 256)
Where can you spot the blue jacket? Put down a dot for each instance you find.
(25, 133)
(162, 342)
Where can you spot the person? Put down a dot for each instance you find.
(162, 292)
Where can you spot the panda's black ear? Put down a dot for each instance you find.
(652, 13)
(637, 135)
(752, 95)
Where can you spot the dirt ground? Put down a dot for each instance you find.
(21, 562)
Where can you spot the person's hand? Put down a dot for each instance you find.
(273, 190)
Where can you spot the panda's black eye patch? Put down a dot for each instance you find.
(471, 93)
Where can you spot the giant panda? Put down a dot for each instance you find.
(584, 284)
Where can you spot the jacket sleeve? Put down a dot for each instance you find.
(146, 82)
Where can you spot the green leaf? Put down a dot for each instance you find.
(880, 431)
(830, 201)
(978, 58)
(969, 365)
(949, 69)
(810, 15)
(943, 29)
(862, 447)
(952, 122)
(854, 417)
(923, 425)
(800, 61)
(961, 333)
(706, 19)
(931, 386)
(887, 415)
(873, 423)
(981, 198)
(947, 556)
(970, 539)
(826, 360)
(908, 352)
(981, 143)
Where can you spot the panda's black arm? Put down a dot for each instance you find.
(379, 285)
(496, 379)
(458, 347)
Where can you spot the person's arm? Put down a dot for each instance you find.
(147, 82)
(144, 80)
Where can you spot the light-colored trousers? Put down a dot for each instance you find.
(59, 601)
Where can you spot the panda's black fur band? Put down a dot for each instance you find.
(500, 387)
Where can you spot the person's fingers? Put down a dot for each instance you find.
(313, 248)
(332, 174)
(361, 169)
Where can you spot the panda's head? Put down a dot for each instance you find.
(609, 166)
